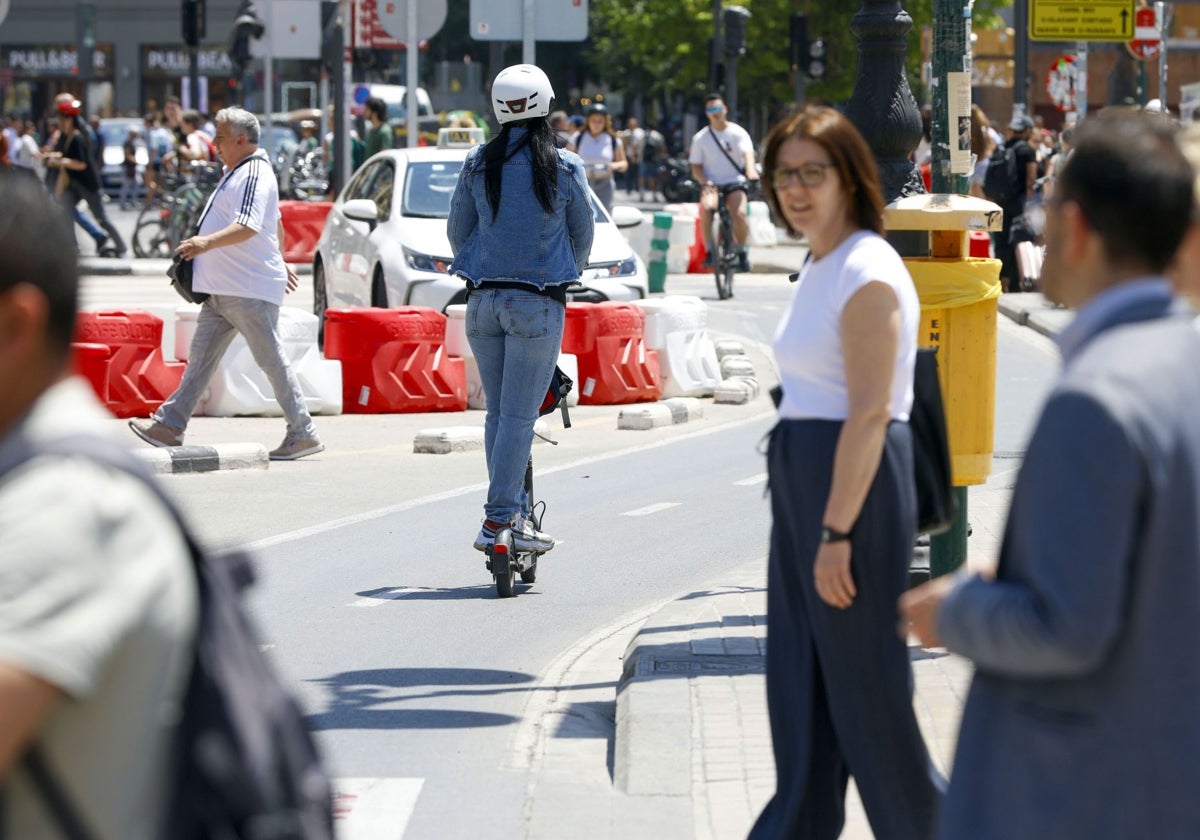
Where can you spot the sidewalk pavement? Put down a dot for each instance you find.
(691, 713)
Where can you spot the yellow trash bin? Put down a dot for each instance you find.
(959, 301)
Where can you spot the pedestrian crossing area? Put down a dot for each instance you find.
(374, 809)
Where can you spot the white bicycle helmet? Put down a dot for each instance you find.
(521, 92)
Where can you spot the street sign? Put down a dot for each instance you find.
(553, 20)
(1061, 81)
(393, 17)
(1081, 20)
(1146, 41)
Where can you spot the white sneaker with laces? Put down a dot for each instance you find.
(528, 538)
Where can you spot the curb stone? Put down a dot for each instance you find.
(449, 439)
(194, 459)
(737, 390)
(728, 347)
(668, 412)
(732, 366)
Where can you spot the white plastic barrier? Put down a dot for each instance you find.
(458, 345)
(676, 328)
(239, 387)
(763, 233)
(639, 237)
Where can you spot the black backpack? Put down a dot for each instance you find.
(246, 766)
(1000, 182)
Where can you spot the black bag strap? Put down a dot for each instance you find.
(208, 204)
(728, 156)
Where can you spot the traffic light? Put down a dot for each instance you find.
(735, 30)
(816, 60)
(246, 25)
(332, 40)
(85, 39)
(193, 18)
(797, 39)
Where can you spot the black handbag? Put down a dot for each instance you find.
(937, 506)
(180, 273)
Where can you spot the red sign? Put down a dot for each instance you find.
(1061, 81)
(1146, 41)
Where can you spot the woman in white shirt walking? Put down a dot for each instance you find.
(602, 153)
(843, 501)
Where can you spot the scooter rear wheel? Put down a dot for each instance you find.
(504, 569)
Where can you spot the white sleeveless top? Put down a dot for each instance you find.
(808, 343)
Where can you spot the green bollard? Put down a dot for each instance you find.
(659, 244)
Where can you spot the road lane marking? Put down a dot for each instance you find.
(378, 513)
(374, 809)
(751, 481)
(649, 509)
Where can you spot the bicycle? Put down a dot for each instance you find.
(726, 260)
(162, 225)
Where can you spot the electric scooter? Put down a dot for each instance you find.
(502, 558)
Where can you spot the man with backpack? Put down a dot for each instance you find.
(98, 598)
(1009, 180)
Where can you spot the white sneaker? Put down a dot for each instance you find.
(526, 538)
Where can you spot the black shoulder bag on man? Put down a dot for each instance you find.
(180, 271)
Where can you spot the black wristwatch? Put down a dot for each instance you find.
(828, 535)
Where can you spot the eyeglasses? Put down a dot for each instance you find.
(810, 175)
(714, 109)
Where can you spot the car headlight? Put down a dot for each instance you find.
(424, 262)
(624, 268)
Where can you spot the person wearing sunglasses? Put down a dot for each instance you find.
(722, 153)
(842, 501)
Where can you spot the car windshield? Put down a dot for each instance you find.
(115, 134)
(429, 186)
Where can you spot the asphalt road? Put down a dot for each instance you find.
(419, 681)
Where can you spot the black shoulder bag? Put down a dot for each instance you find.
(937, 506)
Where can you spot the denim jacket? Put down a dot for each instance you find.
(524, 243)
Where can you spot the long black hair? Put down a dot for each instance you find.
(540, 139)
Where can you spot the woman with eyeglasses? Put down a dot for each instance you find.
(843, 502)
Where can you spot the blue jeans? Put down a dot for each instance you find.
(516, 337)
(221, 316)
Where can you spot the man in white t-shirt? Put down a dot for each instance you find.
(239, 263)
(720, 154)
(98, 601)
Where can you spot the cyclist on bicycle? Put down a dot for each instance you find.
(722, 153)
(521, 228)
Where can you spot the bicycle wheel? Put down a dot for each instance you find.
(725, 261)
(151, 239)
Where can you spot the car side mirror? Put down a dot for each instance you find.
(362, 210)
(625, 216)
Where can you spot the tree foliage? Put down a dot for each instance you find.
(660, 48)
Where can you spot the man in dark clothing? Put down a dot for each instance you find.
(73, 155)
(1019, 131)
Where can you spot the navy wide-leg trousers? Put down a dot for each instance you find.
(839, 682)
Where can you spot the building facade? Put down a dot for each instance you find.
(138, 59)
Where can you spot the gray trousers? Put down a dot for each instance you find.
(839, 682)
(221, 317)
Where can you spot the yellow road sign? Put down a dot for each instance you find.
(1081, 20)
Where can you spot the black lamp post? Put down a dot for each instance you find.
(882, 106)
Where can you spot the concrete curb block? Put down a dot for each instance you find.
(450, 439)
(104, 266)
(737, 390)
(669, 412)
(728, 347)
(462, 439)
(194, 459)
(733, 366)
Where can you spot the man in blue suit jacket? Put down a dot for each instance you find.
(1083, 720)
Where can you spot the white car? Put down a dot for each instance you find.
(385, 244)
